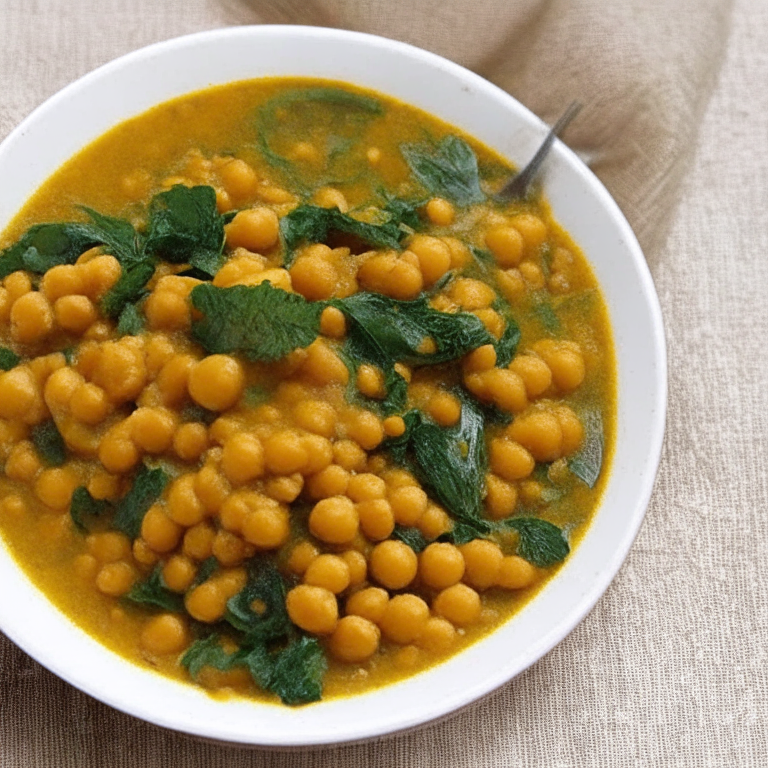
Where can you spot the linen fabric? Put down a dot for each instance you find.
(670, 667)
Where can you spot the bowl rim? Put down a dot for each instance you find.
(37, 646)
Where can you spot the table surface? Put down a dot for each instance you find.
(670, 667)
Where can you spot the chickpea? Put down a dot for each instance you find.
(370, 381)
(164, 634)
(183, 505)
(62, 280)
(173, 379)
(198, 542)
(328, 571)
(506, 244)
(331, 481)
(115, 579)
(540, 433)
(404, 618)
(532, 229)
(482, 560)
(18, 392)
(444, 408)
(239, 179)
(533, 275)
(534, 372)
(109, 546)
(267, 525)
(501, 497)
(459, 604)
(394, 426)
(211, 488)
(313, 275)
(319, 453)
(152, 429)
(334, 520)
(316, 416)
(89, 404)
(166, 310)
(510, 460)
(480, 359)
(17, 284)
(329, 197)
(74, 313)
(284, 489)
(208, 601)
(285, 452)
(565, 360)
(179, 573)
(516, 573)
(120, 370)
(358, 566)
(437, 636)
(368, 603)
(117, 452)
(216, 382)
(471, 294)
(333, 323)
(86, 567)
(441, 565)
(31, 318)
(355, 639)
(434, 522)
(323, 366)
(393, 564)
(440, 212)
(242, 458)
(190, 440)
(572, 429)
(22, 463)
(301, 556)
(376, 519)
(408, 504)
(434, 256)
(365, 487)
(99, 275)
(366, 430)
(313, 609)
(505, 389)
(160, 532)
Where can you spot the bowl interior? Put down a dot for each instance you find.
(132, 84)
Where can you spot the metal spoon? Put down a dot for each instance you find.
(518, 186)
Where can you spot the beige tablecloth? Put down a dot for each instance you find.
(670, 667)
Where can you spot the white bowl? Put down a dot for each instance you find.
(132, 84)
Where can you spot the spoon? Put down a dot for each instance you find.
(517, 187)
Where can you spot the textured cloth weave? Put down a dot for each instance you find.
(670, 667)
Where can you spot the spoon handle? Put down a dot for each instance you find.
(518, 186)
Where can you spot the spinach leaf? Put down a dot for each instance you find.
(506, 346)
(207, 652)
(297, 676)
(402, 211)
(47, 245)
(128, 289)
(130, 323)
(413, 537)
(8, 359)
(541, 542)
(261, 322)
(154, 592)
(84, 504)
(448, 170)
(259, 609)
(147, 488)
(312, 224)
(49, 443)
(116, 235)
(587, 462)
(544, 312)
(207, 568)
(450, 462)
(462, 533)
(185, 227)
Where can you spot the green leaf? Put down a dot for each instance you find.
(154, 592)
(147, 488)
(259, 609)
(116, 235)
(312, 224)
(207, 568)
(84, 504)
(47, 245)
(8, 359)
(131, 323)
(587, 463)
(413, 537)
(185, 227)
(543, 311)
(541, 542)
(448, 170)
(461, 533)
(49, 443)
(397, 329)
(128, 289)
(506, 346)
(450, 462)
(297, 677)
(260, 321)
(206, 653)
(402, 211)
(259, 662)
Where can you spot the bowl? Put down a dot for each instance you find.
(131, 84)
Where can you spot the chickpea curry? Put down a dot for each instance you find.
(290, 405)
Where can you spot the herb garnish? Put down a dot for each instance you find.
(147, 488)
(588, 461)
(448, 170)
(8, 359)
(49, 443)
(541, 542)
(154, 592)
(259, 321)
(84, 504)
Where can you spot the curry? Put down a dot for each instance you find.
(290, 405)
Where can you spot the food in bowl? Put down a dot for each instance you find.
(292, 406)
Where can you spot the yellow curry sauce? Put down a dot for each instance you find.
(367, 493)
